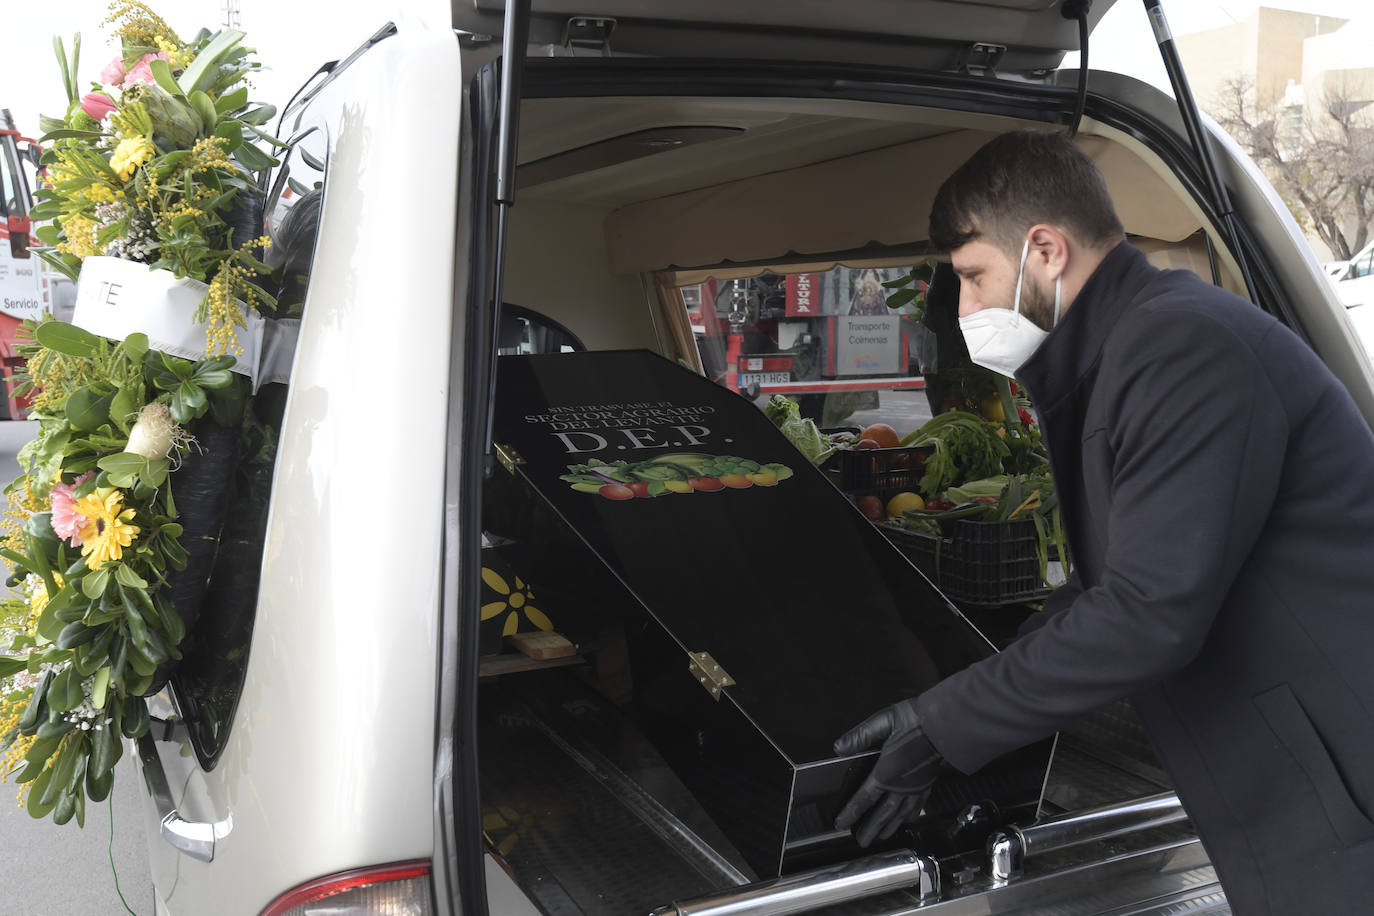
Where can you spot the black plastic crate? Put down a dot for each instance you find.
(981, 563)
(879, 468)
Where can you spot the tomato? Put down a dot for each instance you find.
(640, 488)
(939, 505)
(617, 491)
(706, 484)
(871, 507)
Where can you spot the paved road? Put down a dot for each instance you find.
(46, 870)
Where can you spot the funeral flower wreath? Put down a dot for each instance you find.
(152, 167)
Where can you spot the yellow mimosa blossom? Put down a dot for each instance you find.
(108, 530)
(80, 231)
(22, 503)
(140, 25)
(129, 155)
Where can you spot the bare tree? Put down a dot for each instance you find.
(1320, 159)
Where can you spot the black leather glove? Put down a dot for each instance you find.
(897, 787)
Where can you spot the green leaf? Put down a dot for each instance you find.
(126, 576)
(253, 159)
(162, 73)
(201, 73)
(70, 133)
(154, 472)
(99, 687)
(19, 562)
(93, 586)
(901, 298)
(10, 666)
(38, 809)
(69, 754)
(193, 396)
(232, 101)
(205, 110)
(213, 378)
(68, 597)
(232, 131)
(66, 338)
(57, 691)
(122, 409)
(104, 751)
(48, 209)
(123, 468)
(98, 786)
(88, 411)
(136, 345)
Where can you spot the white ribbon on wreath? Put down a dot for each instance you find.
(116, 298)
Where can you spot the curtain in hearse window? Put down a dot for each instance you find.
(209, 680)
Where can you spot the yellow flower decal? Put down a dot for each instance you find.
(129, 155)
(107, 530)
(516, 601)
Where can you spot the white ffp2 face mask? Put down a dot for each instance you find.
(1003, 339)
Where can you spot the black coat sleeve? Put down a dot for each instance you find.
(1188, 468)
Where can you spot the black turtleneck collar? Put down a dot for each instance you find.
(1075, 345)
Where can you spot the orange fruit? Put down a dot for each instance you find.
(884, 435)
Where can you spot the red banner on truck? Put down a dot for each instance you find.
(803, 295)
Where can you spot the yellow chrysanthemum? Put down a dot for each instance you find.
(129, 155)
(39, 597)
(107, 530)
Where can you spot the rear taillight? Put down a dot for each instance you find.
(401, 889)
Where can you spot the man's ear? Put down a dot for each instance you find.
(1049, 249)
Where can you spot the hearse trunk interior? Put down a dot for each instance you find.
(672, 752)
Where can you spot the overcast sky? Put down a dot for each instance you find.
(293, 37)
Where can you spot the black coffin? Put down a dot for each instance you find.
(641, 495)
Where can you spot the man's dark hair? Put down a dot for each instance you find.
(1017, 180)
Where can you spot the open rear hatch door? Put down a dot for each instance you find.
(1025, 37)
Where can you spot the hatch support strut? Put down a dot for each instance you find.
(1197, 136)
(513, 41)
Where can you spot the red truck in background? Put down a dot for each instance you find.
(811, 336)
(28, 287)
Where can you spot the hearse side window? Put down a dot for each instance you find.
(210, 678)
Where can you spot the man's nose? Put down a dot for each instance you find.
(968, 302)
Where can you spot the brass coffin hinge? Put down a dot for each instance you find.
(508, 457)
(711, 675)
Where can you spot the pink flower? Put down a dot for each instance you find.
(67, 522)
(113, 74)
(97, 104)
(142, 73)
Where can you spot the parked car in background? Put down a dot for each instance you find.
(1355, 278)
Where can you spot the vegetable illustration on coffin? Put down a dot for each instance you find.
(681, 473)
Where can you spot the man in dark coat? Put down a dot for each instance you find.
(1217, 483)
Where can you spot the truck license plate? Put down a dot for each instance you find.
(749, 379)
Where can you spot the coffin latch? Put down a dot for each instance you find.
(710, 674)
(510, 459)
